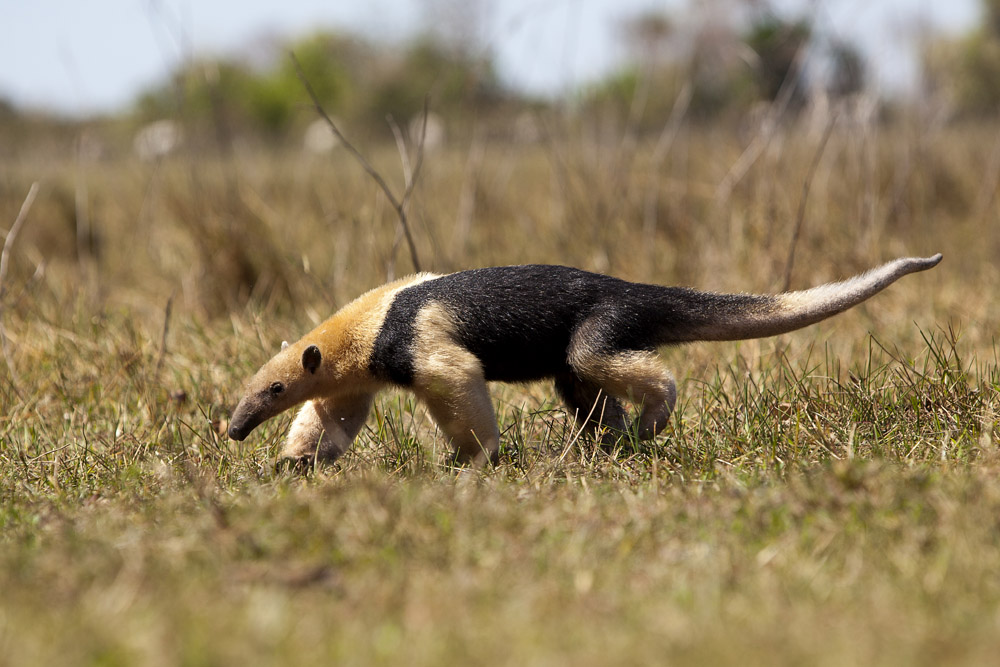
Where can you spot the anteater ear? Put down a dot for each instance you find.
(311, 358)
(284, 344)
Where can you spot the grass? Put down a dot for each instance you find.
(825, 497)
(852, 563)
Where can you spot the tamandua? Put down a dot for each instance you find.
(446, 336)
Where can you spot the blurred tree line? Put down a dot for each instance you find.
(725, 67)
(357, 81)
(715, 59)
(964, 72)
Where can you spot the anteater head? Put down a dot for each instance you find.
(294, 375)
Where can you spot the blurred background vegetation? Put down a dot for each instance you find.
(218, 177)
(213, 178)
(174, 245)
(719, 70)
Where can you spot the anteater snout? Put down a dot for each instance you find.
(242, 422)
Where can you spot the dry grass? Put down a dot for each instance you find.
(826, 497)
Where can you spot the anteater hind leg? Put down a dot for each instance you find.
(637, 376)
(594, 408)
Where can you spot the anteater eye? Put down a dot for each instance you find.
(276, 388)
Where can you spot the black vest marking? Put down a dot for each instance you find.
(519, 320)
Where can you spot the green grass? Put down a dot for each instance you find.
(826, 497)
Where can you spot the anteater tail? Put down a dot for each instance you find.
(705, 316)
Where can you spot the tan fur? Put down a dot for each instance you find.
(599, 413)
(335, 371)
(347, 337)
(794, 310)
(637, 377)
(325, 428)
(449, 379)
(342, 383)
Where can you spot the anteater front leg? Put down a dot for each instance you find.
(450, 380)
(325, 428)
(465, 415)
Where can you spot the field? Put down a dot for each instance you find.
(824, 497)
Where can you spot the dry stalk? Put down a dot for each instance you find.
(466, 207)
(398, 204)
(763, 138)
(163, 344)
(988, 188)
(801, 216)
(8, 242)
(663, 145)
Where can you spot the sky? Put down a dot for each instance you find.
(78, 57)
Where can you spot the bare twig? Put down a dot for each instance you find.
(398, 204)
(404, 155)
(412, 181)
(466, 207)
(8, 242)
(409, 178)
(163, 341)
(801, 216)
(670, 131)
(22, 215)
(660, 152)
(768, 127)
(152, 381)
(988, 189)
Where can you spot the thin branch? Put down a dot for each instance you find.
(399, 205)
(22, 215)
(410, 174)
(763, 138)
(8, 242)
(801, 216)
(988, 189)
(163, 342)
(660, 152)
(420, 155)
(404, 156)
(672, 128)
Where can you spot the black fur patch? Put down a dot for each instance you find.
(311, 358)
(516, 320)
(520, 320)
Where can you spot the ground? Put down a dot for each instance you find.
(824, 497)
